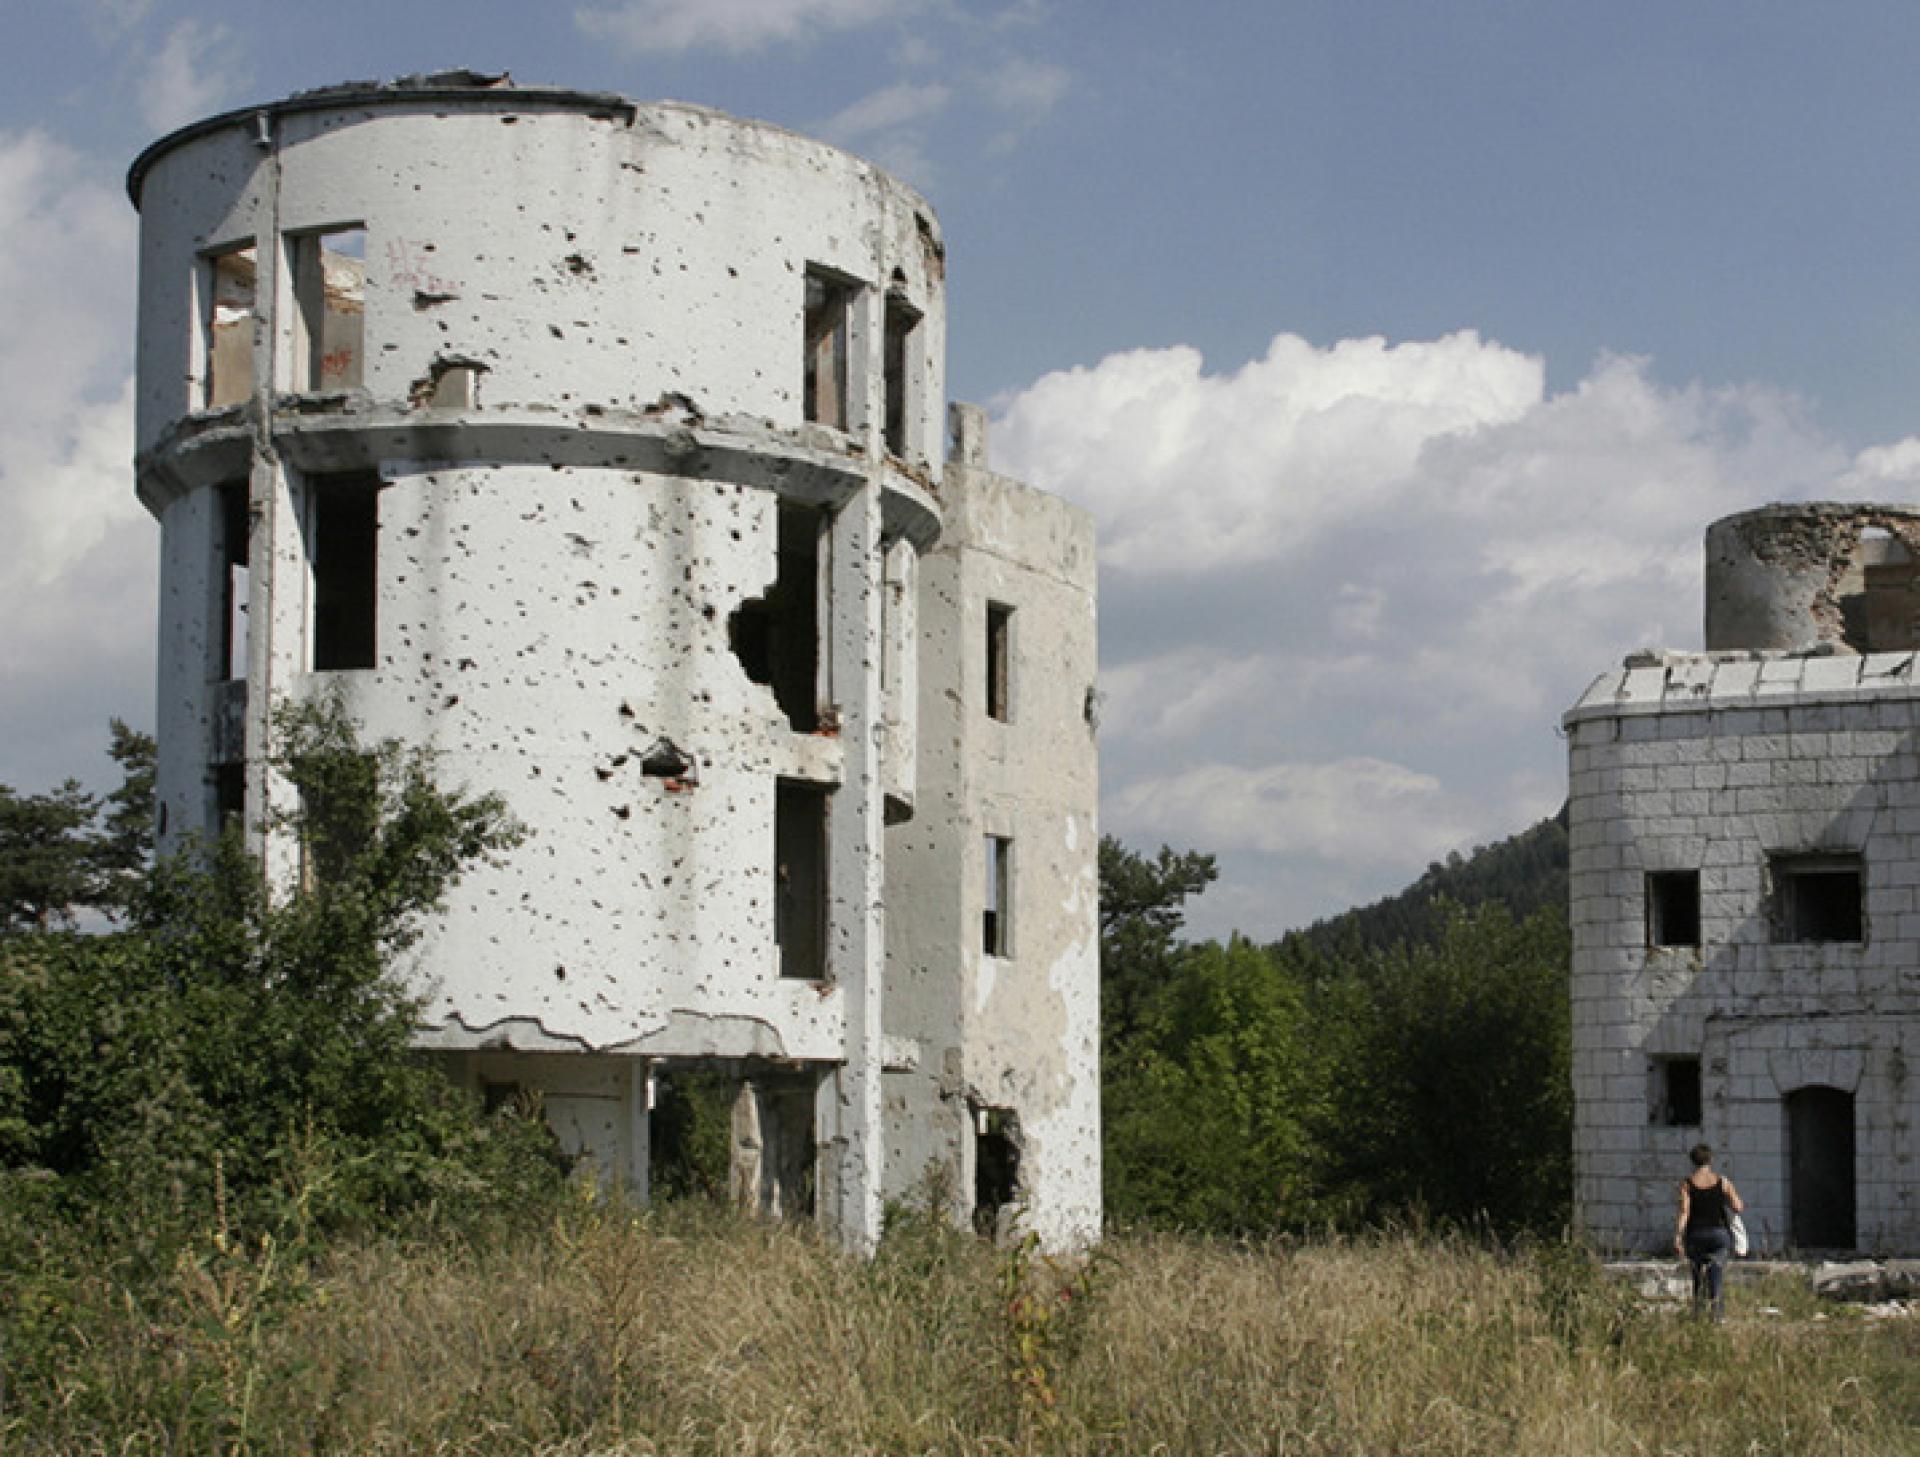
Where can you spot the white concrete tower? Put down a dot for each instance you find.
(593, 445)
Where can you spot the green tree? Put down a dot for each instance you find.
(1211, 1124)
(123, 848)
(47, 856)
(260, 1041)
(1452, 1069)
(1142, 907)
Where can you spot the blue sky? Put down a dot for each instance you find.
(1402, 350)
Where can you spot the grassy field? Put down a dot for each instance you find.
(606, 1330)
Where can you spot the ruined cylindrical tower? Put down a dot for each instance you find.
(596, 447)
(1792, 578)
(578, 440)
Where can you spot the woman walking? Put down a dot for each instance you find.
(1707, 1206)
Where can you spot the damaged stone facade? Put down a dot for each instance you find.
(597, 446)
(1745, 828)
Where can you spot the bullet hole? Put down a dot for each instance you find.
(664, 759)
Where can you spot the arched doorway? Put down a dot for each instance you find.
(1820, 1168)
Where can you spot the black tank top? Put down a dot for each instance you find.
(1706, 1207)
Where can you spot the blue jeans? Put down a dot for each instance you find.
(1707, 1251)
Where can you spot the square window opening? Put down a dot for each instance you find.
(329, 295)
(999, 662)
(1817, 898)
(828, 333)
(800, 878)
(345, 553)
(232, 307)
(997, 919)
(1673, 908)
(1676, 1092)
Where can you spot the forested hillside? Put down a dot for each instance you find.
(1525, 873)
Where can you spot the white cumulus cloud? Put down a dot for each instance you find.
(197, 70)
(1347, 591)
(1355, 811)
(77, 577)
(652, 26)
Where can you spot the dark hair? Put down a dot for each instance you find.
(1701, 1155)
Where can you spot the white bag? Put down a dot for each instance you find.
(1738, 1228)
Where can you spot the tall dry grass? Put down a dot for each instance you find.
(615, 1331)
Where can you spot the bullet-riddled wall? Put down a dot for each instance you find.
(999, 865)
(592, 445)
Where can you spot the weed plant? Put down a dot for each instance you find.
(605, 1328)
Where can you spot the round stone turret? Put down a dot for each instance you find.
(1814, 576)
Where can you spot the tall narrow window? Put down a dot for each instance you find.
(1817, 898)
(902, 322)
(829, 310)
(229, 796)
(999, 662)
(1673, 908)
(996, 924)
(800, 878)
(231, 299)
(329, 295)
(1676, 1091)
(236, 581)
(345, 548)
(777, 637)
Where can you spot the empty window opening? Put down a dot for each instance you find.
(231, 310)
(345, 553)
(236, 580)
(1676, 1091)
(999, 662)
(1673, 908)
(329, 295)
(996, 927)
(500, 1097)
(829, 314)
(777, 637)
(230, 796)
(996, 1166)
(800, 879)
(903, 322)
(1817, 898)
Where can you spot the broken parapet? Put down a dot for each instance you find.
(1813, 575)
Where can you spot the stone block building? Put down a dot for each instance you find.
(1745, 826)
(597, 446)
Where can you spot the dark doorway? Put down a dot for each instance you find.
(996, 1165)
(1820, 1162)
